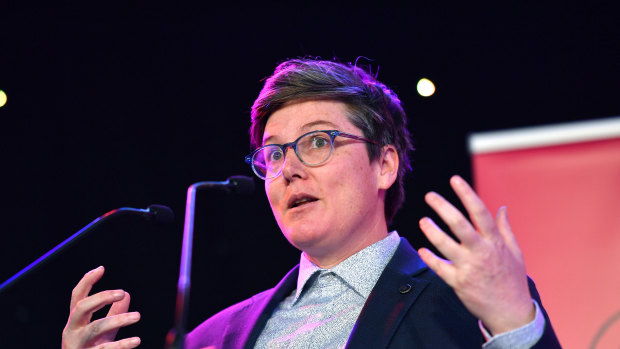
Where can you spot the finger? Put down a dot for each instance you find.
(127, 343)
(82, 289)
(478, 212)
(116, 309)
(104, 330)
(456, 221)
(84, 309)
(444, 243)
(443, 268)
(503, 225)
(121, 306)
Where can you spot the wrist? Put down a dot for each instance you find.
(512, 319)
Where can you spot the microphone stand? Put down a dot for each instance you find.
(152, 210)
(176, 336)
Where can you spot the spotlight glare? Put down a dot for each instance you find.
(2, 98)
(425, 87)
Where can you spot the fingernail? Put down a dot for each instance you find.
(118, 294)
(94, 270)
(134, 341)
(133, 316)
(457, 179)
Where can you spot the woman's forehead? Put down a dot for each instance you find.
(291, 121)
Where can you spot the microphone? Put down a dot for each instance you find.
(159, 214)
(235, 184)
(242, 185)
(155, 213)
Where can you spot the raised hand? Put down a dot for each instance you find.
(80, 332)
(486, 269)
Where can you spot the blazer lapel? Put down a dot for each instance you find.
(246, 335)
(395, 292)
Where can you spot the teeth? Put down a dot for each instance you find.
(302, 201)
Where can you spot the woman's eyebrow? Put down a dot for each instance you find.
(306, 127)
(318, 122)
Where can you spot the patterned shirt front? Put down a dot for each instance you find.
(323, 309)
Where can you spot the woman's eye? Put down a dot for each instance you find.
(275, 156)
(319, 142)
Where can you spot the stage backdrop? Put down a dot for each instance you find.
(561, 184)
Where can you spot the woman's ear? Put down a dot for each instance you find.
(388, 167)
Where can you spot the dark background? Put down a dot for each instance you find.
(112, 106)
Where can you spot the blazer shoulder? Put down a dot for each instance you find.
(213, 327)
(241, 322)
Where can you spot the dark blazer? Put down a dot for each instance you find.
(409, 307)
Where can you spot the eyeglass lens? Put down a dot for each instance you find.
(311, 149)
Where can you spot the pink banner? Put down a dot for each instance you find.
(563, 199)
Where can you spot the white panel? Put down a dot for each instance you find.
(528, 137)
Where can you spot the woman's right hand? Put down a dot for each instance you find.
(80, 332)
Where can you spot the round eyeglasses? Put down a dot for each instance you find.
(313, 149)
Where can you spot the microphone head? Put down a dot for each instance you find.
(241, 184)
(161, 214)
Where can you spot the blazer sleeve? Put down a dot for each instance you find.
(549, 338)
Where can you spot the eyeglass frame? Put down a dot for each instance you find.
(249, 159)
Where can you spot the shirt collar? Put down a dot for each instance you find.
(361, 270)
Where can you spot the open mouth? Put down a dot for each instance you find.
(297, 202)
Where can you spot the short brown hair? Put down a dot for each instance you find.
(372, 107)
